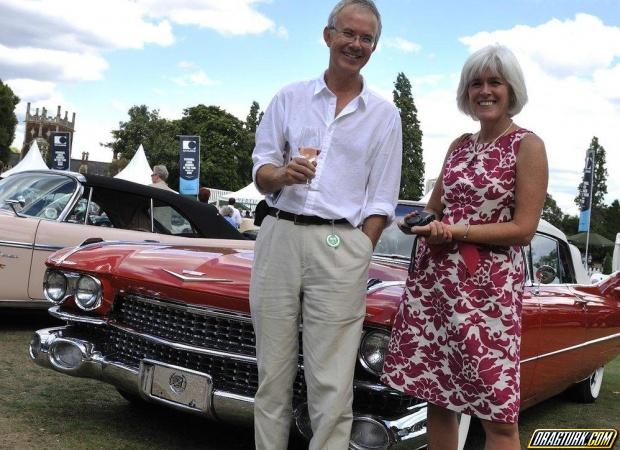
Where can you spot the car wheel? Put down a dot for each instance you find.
(464, 422)
(587, 391)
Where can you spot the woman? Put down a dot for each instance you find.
(456, 336)
(227, 213)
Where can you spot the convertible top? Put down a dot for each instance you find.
(206, 218)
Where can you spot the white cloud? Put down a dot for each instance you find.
(230, 17)
(574, 95)
(401, 44)
(198, 78)
(186, 64)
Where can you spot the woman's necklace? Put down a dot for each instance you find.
(494, 140)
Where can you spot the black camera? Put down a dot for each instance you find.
(417, 220)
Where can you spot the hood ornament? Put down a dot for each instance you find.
(190, 275)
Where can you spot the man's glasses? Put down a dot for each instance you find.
(349, 36)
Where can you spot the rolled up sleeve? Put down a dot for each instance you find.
(270, 139)
(384, 177)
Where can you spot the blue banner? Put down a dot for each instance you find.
(586, 192)
(189, 165)
(60, 143)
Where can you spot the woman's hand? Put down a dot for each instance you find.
(435, 233)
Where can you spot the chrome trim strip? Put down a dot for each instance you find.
(574, 347)
(48, 248)
(185, 278)
(384, 284)
(15, 244)
(54, 311)
(184, 347)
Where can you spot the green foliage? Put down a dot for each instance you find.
(599, 187)
(552, 212)
(226, 146)
(8, 120)
(412, 173)
(607, 263)
(253, 118)
(612, 220)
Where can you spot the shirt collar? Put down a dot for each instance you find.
(321, 86)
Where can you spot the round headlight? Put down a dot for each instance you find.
(55, 286)
(373, 349)
(88, 293)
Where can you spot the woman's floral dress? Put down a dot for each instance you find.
(456, 335)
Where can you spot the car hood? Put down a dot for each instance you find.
(217, 275)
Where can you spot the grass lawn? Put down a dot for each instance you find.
(42, 409)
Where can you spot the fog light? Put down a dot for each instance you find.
(88, 293)
(66, 355)
(368, 433)
(373, 349)
(55, 286)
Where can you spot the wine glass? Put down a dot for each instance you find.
(310, 145)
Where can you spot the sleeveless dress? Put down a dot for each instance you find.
(456, 336)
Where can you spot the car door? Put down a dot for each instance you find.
(563, 318)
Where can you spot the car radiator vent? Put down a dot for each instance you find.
(193, 326)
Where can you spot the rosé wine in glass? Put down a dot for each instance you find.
(310, 153)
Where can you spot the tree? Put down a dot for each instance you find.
(253, 118)
(226, 155)
(552, 212)
(8, 120)
(412, 173)
(157, 135)
(612, 220)
(599, 187)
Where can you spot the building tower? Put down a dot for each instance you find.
(40, 126)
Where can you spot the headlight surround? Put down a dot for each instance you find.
(373, 350)
(55, 286)
(88, 293)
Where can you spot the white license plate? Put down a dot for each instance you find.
(185, 387)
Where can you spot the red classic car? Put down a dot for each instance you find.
(170, 324)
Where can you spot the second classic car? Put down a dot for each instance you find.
(42, 211)
(170, 324)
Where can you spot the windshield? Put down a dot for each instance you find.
(393, 242)
(39, 194)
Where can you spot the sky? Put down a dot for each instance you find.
(99, 58)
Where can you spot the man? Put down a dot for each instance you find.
(159, 177)
(236, 215)
(311, 259)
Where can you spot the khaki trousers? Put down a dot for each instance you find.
(289, 260)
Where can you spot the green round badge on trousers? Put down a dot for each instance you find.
(333, 240)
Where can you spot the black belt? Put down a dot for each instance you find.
(303, 220)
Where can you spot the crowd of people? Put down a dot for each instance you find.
(319, 229)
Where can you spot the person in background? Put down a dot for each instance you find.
(204, 194)
(159, 178)
(323, 219)
(227, 213)
(457, 334)
(236, 214)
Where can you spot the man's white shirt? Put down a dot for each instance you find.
(358, 169)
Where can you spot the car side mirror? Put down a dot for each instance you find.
(545, 274)
(12, 203)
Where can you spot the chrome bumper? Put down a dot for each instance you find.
(86, 361)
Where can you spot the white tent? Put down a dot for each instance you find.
(138, 169)
(248, 195)
(32, 161)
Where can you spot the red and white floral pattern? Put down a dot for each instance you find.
(456, 336)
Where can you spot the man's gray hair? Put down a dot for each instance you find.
(161, 171)
(501, 62)
(368, 4)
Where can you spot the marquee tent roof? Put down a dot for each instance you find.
(138, 169)
(32, 161)
(247, 194)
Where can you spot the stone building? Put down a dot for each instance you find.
(40, 126)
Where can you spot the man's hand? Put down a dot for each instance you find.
(271, 178)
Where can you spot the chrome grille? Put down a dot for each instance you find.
(192, 326)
